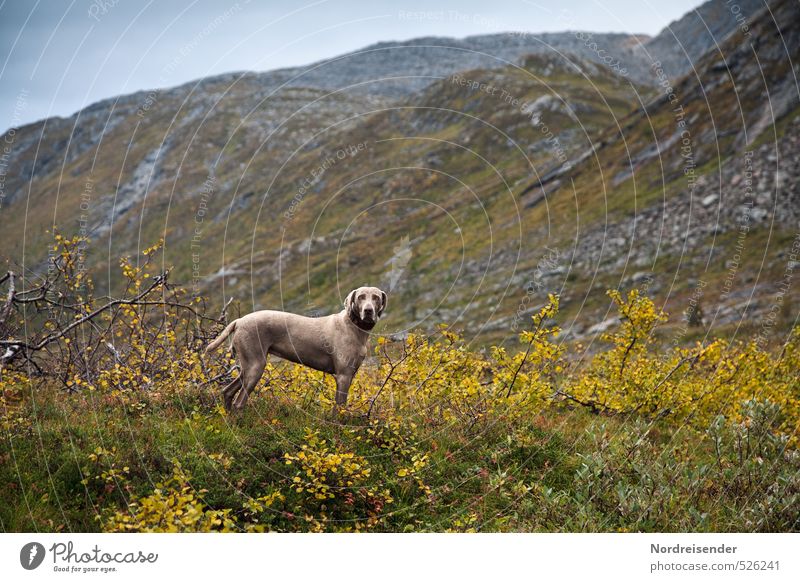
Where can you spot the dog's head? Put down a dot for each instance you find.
(365, 306)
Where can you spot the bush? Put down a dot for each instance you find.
(172, 507)
(436, 437)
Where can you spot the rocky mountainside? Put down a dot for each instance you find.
(469, 177)
(679, 46)
(699, 186)
(397, 69)
(403, 68)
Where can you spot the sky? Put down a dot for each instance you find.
(58, 56)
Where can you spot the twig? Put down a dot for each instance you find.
(12, 292)
(524, 358)
(625, 356)
(592, 404)
(160, 279)
(393, 367)
(222, 315)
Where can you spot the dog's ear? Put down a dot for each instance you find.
(348, 301)
(383, 303)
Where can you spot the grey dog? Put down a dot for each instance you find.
(335, 344)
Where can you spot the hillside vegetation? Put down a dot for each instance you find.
(486, 164)
(111, 420)
(590, 269)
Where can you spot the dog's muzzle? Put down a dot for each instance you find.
(360, 319)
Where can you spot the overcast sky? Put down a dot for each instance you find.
(57, 56)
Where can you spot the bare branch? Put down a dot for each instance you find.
(12, 292)
(159, 280)
(222, 315)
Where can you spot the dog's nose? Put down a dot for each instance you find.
(369, 312)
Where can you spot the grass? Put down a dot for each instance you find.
(564, 469)
(87, 460)
(437, 436)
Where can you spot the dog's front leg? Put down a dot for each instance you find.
(343, 381)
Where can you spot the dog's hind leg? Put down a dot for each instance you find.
(253, 357)
(250, 377)
(230, 391)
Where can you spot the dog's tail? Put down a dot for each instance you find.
(221, 337)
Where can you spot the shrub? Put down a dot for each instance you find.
(333, 487)
(438, 436)
(173, 506)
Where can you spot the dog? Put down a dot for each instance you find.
(335, 344)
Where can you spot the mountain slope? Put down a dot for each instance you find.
(694, 196)
(683, 42)
(419, 62)
(469, 190)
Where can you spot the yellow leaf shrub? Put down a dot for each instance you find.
(333, 489)
(173, 506)
(691, 385)
(13, 417)
(442, 380)
(400, 443)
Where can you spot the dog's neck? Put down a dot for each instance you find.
(355, 320)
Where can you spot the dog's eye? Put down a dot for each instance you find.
(362, 297)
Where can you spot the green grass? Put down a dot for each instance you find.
(562, 470)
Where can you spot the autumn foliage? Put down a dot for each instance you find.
(438, 436)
